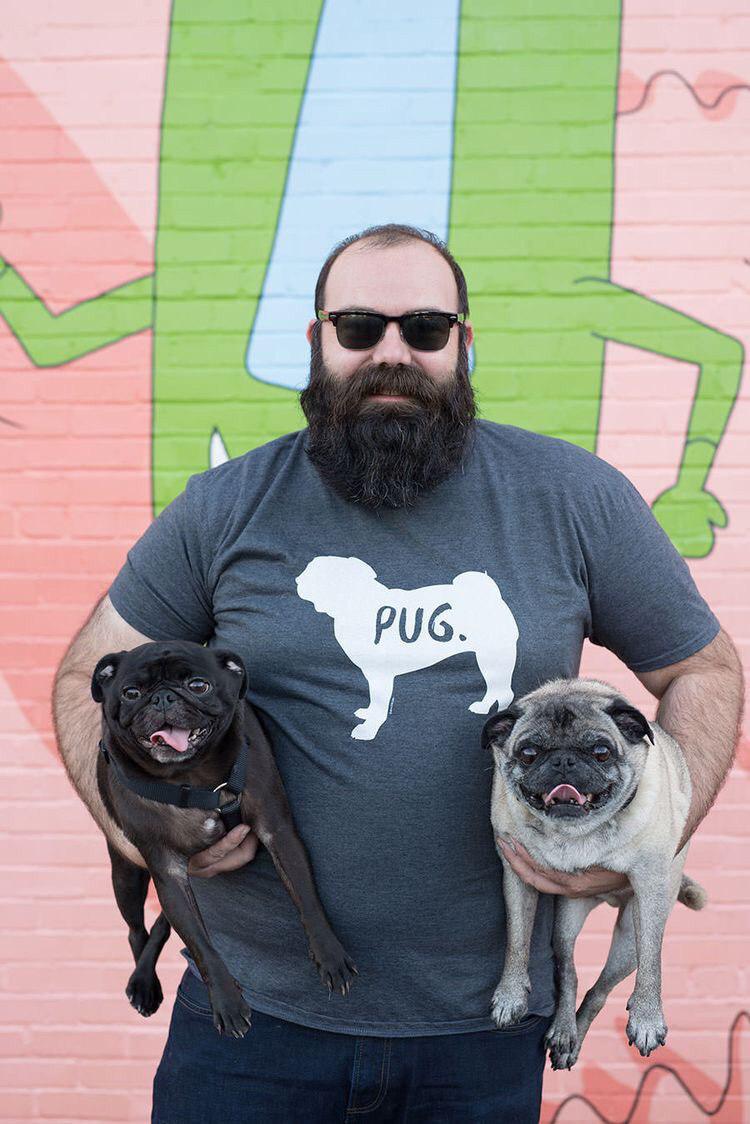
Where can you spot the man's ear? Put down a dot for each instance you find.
(231, 662)
(633, 725)
(497, 728)
(104, 673)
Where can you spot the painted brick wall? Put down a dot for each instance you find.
(79, 144)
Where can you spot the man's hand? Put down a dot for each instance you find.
(236, 848)
(594, 880)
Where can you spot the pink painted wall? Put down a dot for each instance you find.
(81, 86)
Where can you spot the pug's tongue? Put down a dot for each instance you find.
(564, 792)
(172, 735)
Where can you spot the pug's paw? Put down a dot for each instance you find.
(509, 1003)
(335, 967)
(231, 1012)
(562, 1042)
(646, 1028)
(144, 992)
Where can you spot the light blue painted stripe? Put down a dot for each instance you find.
(374, 144)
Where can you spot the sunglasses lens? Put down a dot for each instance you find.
(358, 330)
(426, 331)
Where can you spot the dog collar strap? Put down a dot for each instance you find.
(185, 795)
(630, 799)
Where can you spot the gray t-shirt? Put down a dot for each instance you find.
(375, 644)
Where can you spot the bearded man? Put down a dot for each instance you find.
(389, 576)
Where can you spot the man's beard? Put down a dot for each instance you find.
(387, 454)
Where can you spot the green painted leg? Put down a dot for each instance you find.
(234, 88)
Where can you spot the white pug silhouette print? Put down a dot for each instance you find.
(389, 632)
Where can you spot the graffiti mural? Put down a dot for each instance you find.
(172, 182)
(253, 190)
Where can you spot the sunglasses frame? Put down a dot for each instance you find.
(452, 317)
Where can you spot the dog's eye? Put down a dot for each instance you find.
(528, 753)
(601, 752)
(131, 693)
(199, 686)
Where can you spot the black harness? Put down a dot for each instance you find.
(185, 795)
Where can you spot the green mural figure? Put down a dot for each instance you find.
(234, 83)
(531, 223)
(531, 218)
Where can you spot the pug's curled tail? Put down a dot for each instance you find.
(691, 894)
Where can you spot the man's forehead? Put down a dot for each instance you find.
(391, 279)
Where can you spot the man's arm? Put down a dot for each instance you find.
(78, 719)
(700, 705)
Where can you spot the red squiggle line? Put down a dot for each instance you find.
(640, 1093)
(703, 91)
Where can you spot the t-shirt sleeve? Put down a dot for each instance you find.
(645, 606)
(162, 588)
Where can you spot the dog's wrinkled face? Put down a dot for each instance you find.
(169, 702)
(574, 749)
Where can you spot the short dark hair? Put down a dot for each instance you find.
(392, 234)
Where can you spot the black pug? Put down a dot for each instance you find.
(183, 760)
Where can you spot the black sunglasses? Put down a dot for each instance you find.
(424, 331)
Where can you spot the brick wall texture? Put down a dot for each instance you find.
(82, 88)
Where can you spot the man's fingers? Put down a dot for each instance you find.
(222, 847)
(528, 872)
(524, 854)
(236, 858)
(233, 861)
(522, 862)
(542, 878)
(235, 849)
(594, 880)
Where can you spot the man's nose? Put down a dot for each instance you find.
(391, 349)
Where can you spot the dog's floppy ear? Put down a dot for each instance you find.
(104, 673)
(230, 661)
(629, 721)
(497, 728)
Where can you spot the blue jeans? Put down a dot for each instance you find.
(283, 1073)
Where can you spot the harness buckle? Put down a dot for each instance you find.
(230, 812)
